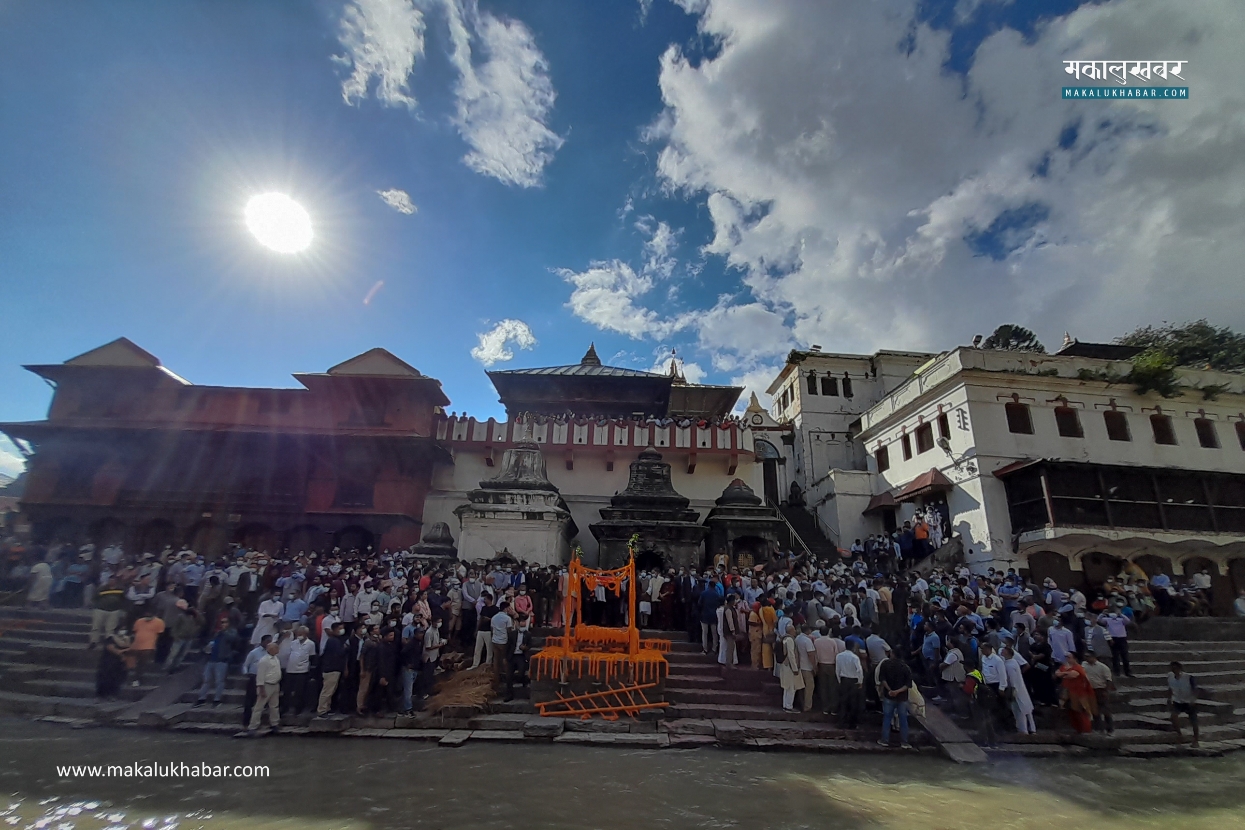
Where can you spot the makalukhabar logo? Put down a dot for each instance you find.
(1121, 72)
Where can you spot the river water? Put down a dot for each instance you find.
(373, 784)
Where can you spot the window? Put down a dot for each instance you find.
(1206, 435)
(884, 459)
(924, 438)
(1068, 422)
(1018, 419)
(1117, 425)
(944, 426)
(1240, 433)
(1164, 432)
(906, 443)
(812, 383)
(830, 386)
(847, 386)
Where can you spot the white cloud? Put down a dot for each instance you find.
(382, 39)
(755, 380)
(871, 198)
(645, 7)
(660, 247)
(12, 462)
(493, 348)
(399, 200)
(605, 295)
(504, 101)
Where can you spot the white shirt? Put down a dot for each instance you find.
(847, 664)
(299, 661)
(268, 670)
(501, 625)
(994, 671)
(804, 646)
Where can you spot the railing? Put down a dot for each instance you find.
(791, 528)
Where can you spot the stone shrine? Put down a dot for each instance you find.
(519, 511)
(742, 528)
(670, 531)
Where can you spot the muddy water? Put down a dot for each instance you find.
(372, 784)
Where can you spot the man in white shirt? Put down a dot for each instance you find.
(850, 673)
(268, 686)
(1062, 643)
(808, 663)
(994, 676)
(500, 626)
(297, 670)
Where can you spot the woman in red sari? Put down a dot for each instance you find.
(1082, 704)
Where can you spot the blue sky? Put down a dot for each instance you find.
(730, 178)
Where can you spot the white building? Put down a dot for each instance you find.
(1046, 462)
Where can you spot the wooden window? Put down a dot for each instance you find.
(906, 443)
(812, 383)
(924, 438)
(830, 386)
(1068, 422)
(1117, 425)
(884, 459)
(1018, 419)
(944, 426)
(1164, 431)
(847, 386)
(1206, 434)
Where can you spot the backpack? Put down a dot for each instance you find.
(780, 650)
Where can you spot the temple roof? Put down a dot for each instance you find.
(590, 388)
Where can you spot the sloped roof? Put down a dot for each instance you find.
(120, 352)
(581, 370)
(929, 482)
(377, 362)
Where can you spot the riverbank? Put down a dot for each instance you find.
(317, 782)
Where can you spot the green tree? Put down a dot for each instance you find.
(1198, 345)
(1013, 338)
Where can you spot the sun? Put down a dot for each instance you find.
(279, 222)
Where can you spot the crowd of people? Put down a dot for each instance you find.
(364, 631)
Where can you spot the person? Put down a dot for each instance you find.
(433, 643)
(1182, 697)
(710, 599)
(850, 673)
(297, 671)
(894, 683)
(728, 631)
(269, 613)
(828, 649)
(808, 663)
(1062, 642)
(332, 664)
(990, 691)
(500, 624)
(1082, 702)
(106, 615)
(41, 580)
(754, 635)
(185, 629)
(1102, 683)
(111, 671)
(268, 695)
(147, 630)
(1018, 693)
(1117, 638)
(219, 650)
(249, 666)
(931, 656)
(518, 644)
(789, 673)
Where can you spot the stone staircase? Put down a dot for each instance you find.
(47, 669)
(809, 529)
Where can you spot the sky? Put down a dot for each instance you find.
(498, 183)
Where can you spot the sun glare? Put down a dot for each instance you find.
(279, 222)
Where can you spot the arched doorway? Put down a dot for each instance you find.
(650, 560)
(1236, 575)
(747, 551)
(1221, 594)
(769, 457)
(106, 532)
(1153, 565)
(1097, 566)
(308, 538)
(206, 538)
(256, 537)
(156, 535)
(353, 537)
(1046, 564)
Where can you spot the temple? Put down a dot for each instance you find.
(364, 454)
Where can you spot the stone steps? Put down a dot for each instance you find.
(681, 681)
(77, 689)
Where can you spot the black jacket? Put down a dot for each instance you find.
(334, 656)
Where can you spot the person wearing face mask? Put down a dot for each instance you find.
(518, 644)
(522, 603)
(297, 671)
(1061, 640)
(375, 617)
(471, 590)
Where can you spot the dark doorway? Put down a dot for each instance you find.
(1045, 563)
(650, 560)
(353, 538)
(1098, 566)
(770, 467)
